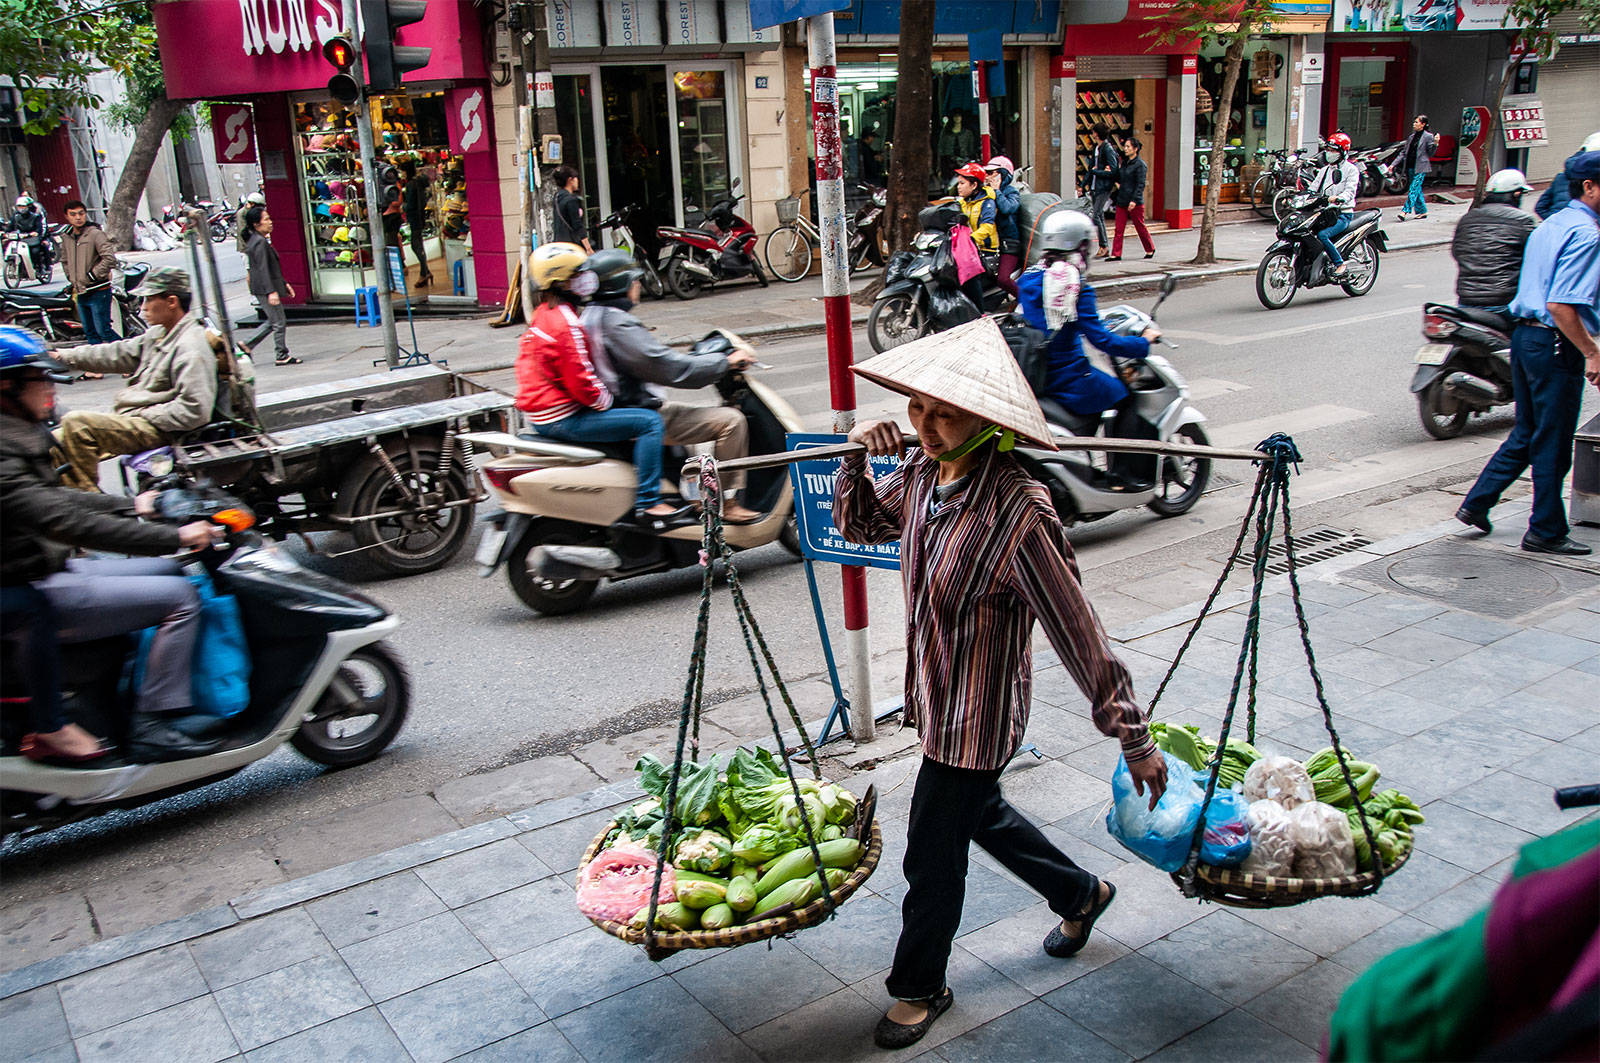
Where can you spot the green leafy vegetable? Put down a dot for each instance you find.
(697, 788)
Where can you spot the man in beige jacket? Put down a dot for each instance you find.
(173, 389)
(87, 256)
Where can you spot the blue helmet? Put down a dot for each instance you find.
(21, 349)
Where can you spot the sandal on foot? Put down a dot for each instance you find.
(657, 523)
(891, 1034)
(1059, 945)
(287, 360)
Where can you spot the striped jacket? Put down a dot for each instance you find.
(555, 376)
(979, 570)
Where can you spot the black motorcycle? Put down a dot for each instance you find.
(1298, 260)
(1463, 369)
(620, 224)
(321, 680)
(53, 313)
(921, 294)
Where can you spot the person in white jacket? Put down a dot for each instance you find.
(1339, 180)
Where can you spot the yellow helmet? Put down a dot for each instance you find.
(555, 263)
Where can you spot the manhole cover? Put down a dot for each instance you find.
(1477, 579)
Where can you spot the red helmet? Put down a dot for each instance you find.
(1340, 141)
(972, 170)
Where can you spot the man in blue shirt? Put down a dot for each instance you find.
(1557, 309)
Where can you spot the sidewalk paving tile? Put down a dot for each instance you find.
(852, 945)
(478, 873)
(1051, 789)
(1236, 1035)
(516, 921)
(740, 989)
(130, 988)
(459, 1014)
(562, 845)
(1578, 623)
(1416, 643)
(1569, 686)
(1118, 1003)
(1370, 665)
(258, 947)
(1469, 627)
(1395, 934)
(656, 1020)
(194, 1031)
(1015, 947)
(1324, 926)
(1148, 906)
(1516, 801)
(1033, 1033)
(413, 956)
(1465, 838)
(1551, 646)
(359, 1037)
(541, 1044)
(981, 994)
(1562, 764)
(1230, 957)
(1302, 1006)
(991, 895)
(375, 908)
(1396, 711)
(1422, 879)
(1555, 720)
(1458, 903)
(838, 1028)
(33, 1022)
(283, 1003)
(579, 969)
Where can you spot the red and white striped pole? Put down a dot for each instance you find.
(980, 74)
(836, 316)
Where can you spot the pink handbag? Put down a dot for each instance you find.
(969, 263)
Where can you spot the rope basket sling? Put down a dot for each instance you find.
(1230, 886)
(661, 942)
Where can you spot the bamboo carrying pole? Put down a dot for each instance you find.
(1123, 446)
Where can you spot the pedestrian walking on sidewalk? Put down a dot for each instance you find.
(1103, 171)
(1552, 351)
(983, 556)
(1129, 199)
(88, 259)
(1418, 163)
(267, 285)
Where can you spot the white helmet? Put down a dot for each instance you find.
(256, 199)
(1507, 181)
(1591, 144)
(24, 202)
(1065, 230)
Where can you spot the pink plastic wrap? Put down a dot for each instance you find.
(616, 883)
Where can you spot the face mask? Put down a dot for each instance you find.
(1330, 157)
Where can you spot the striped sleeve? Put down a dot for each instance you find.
(1045, 575)
(864, 510)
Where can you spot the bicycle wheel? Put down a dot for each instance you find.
(1261, 194)
(788, 253)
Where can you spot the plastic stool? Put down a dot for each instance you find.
(367, 306)
(458, 276)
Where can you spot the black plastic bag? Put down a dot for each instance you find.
(1031, 348)
(949, 307)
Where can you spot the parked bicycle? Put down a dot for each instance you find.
(1285, 173)
(788, 247)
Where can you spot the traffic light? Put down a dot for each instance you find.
(388, 186)
(342, 54)
(388, 62)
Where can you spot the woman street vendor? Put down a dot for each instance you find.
(983, 556)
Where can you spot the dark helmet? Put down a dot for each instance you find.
(21, 350)
(616, 271)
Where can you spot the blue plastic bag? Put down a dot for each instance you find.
(219, 677)
(1162, 836)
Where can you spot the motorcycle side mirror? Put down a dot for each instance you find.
(1168, 283)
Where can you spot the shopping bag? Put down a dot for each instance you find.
(969, 263)
(1162, 836)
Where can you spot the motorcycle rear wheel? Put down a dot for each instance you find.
(413, 541)
(1442, 415)
(1363, 259)
(1270, 289)
(549, 597)
(371, 688)
(684, 285)
(894, 321)
(788, 254)
(1189, 476)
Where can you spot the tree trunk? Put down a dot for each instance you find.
(912, 158)
(1512, 62)
(1206, 253)
(136, 171)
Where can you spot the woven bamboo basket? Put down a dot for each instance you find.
(668, 942)
(1239, 889)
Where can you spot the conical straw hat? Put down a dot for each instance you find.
(970, 367)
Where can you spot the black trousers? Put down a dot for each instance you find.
(1129, 424)
(950, 809)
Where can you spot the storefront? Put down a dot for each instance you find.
(435, 131)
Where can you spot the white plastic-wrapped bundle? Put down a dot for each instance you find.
(1271, 840)
(1279, 779)
(1323, 847)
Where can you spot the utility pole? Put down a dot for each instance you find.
(836, 315)
(369, 170)
(536, 120)
(980, 77)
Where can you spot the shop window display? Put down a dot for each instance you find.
(1108, 103)
(1257, 115)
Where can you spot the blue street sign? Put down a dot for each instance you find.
(397, 270)
(765, 13)
(813, 507)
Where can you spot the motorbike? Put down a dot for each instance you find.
(1381, 169)
(219, 222)
(1298, 260)
(920, 294)
(1463, 369)
(21, 250)
(321, 680)
(868, 241)
(557, 535)
(1079, 486)
(622, 236)
(722, 248)
(53, 313)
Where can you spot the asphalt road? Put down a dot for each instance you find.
(495, 683)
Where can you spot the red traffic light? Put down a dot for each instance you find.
(340, 52)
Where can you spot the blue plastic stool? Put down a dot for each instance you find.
(367, 306)
(458, 276)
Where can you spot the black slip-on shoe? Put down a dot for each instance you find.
(1565, 546)
(1475, 520)
(1061, 946)
(891, 1034)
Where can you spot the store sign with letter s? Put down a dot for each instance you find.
(468, 120)
(234, 133)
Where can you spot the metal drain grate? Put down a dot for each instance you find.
(1481, 579)
(1318, 544)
